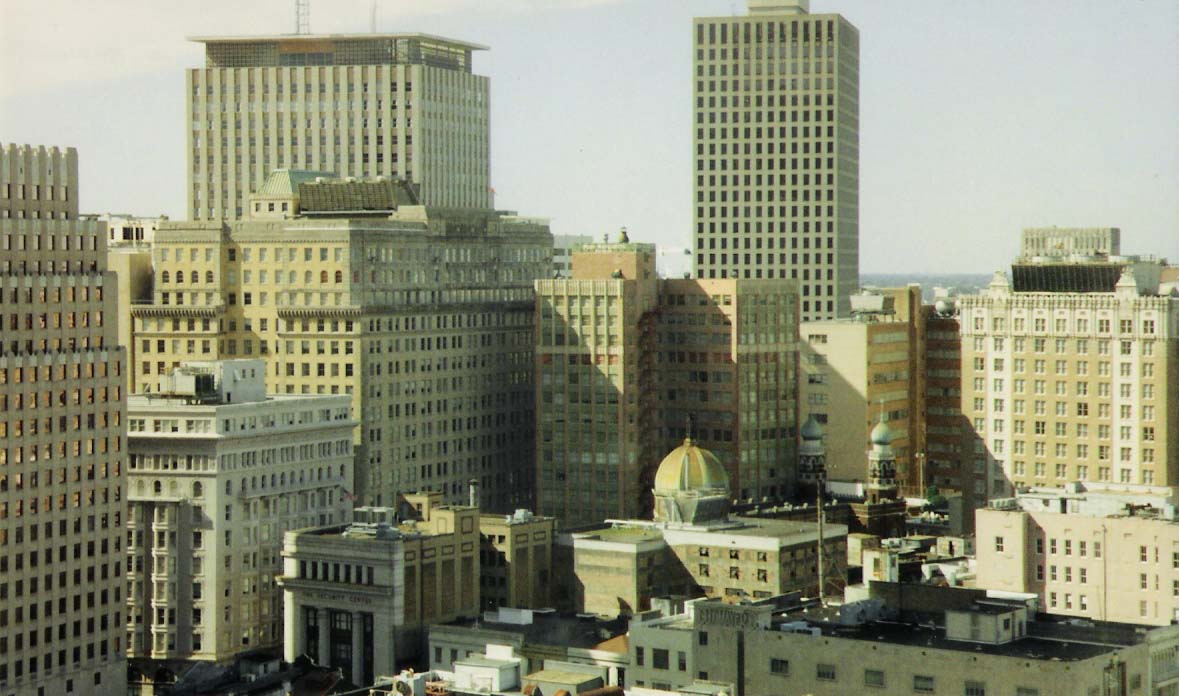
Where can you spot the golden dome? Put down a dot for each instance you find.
(691, 468)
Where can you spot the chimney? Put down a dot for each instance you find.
(473, 487)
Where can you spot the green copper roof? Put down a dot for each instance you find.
(285, 182)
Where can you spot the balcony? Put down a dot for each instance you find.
(151, 309)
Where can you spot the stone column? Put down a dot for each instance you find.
(384, 642)
(325, 637)
(294, 642)
(358, 648)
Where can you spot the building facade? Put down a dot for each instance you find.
(563, 246)
(1094, 551)
(516, 560)
(979, 647)
(218, 472)
(693, 547)
(864, 368)
(405, 106)
(776, 151)
(360, 597)
(626, 363)
(424, 316)
(1079, 385)
(62, 436)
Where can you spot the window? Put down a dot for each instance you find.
(825, 672)
(999, 543)
(1026, 691)
(639, 656)
(974, 688)
(873, 677)
(779, 667)
(702, 638)
(659, 658)
(923, 683)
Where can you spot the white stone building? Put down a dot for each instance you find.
(218, 472)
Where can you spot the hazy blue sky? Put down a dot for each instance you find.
(977, 118)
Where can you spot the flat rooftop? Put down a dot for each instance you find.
(310, 38)
(553, 629)
(1046, 640)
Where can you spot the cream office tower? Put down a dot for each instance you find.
(61, 437)
(776, 134)
(404, 106)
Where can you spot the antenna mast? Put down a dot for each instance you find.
(302, 16)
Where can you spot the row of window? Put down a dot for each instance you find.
(1061, 325)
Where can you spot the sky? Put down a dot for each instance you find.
(978, 119)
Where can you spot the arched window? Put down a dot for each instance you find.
(180, 277)
(158, 487)
(165, 277)
(323, 276)
(198, 490)
(307, 277)
(140, 486)
(339, 277)
(195, 277)
(208, 276)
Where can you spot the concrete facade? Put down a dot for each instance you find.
(776, 151)
(1098, 552)
(856, 371)
(624, 360)
(406, 106)
(563, 246)
(424, 316)
(1070, 386)
(217, 474)
(987, 647)
(62, 436)
(359, 597)
(620, 569)
(516, 560)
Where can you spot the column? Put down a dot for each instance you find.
(325, 637)
(384, 642)
(358, 648)
(293, 640)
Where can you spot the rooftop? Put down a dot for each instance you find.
(1063, 640)
(551, 628)
(313, 38)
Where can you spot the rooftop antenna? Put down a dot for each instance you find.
(302, 16)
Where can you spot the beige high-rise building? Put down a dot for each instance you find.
(1103, 552)
(628, 363)
(407, 106)
(423, 315)
(861, 370)
(62, 437)
(218, 471)
(776, 151)
(1071, 374)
